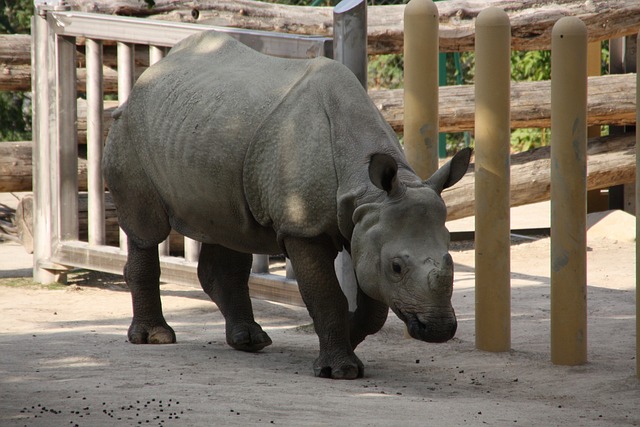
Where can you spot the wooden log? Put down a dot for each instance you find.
(15, 49)
(530, 104)
(109, 108)
(24, 223)
(610, 162)
(531, 21)
(16, 167)
(17, 78)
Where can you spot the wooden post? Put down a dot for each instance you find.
(492, 180)
(638, 216)
(568, 192)
(421, 86)
(43, 232)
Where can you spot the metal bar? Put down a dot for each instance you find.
(350, 49)
(156, 53)
(350, 37)
(492, 194)
(568, 192)
(164, 33)
(191, 249)
(95, 110)
(260, 264)
(126, 78)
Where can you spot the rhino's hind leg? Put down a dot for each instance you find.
(142, 274)
(312, 261)
(224, 276)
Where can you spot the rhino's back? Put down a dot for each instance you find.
(191, 120)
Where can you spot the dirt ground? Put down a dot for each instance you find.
(64, 358)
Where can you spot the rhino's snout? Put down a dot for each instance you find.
(427, 331)
(436, 322)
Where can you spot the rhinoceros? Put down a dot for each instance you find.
(249, 153)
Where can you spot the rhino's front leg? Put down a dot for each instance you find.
(368, 318)
(312, 261)
(142, 274)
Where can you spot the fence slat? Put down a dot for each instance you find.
(67, 139)
(126, 78)
(95, 111)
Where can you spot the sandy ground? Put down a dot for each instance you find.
(64, 358)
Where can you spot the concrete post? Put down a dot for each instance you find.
(492, 178)
(568, 192)
(421, 86)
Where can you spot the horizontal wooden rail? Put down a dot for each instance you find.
(610, 161)
(174, 270)
(530, 104)
(531, 26)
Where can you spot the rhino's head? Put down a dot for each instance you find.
(400, 248)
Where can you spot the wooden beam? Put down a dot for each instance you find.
(25, 213)
(530, 104)
(530, 108)
(16, 167)
(610, 162)
(531, 21)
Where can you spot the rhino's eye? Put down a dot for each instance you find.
(396, 267)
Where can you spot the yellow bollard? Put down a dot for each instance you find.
(637, 216)
(568, 192)
(421, 86)
(493, 133)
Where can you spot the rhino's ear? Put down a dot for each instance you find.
(383, 172)
(451, 172)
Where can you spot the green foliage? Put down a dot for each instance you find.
(527, 139)
(15, 16)
(15, 107)
(386, 71)
(15, 116)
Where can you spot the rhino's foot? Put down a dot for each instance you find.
(140, 333)
(247, 337)
(339, 368)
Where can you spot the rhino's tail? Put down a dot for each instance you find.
(118, 111)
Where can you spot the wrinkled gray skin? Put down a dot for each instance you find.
(254, 154)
